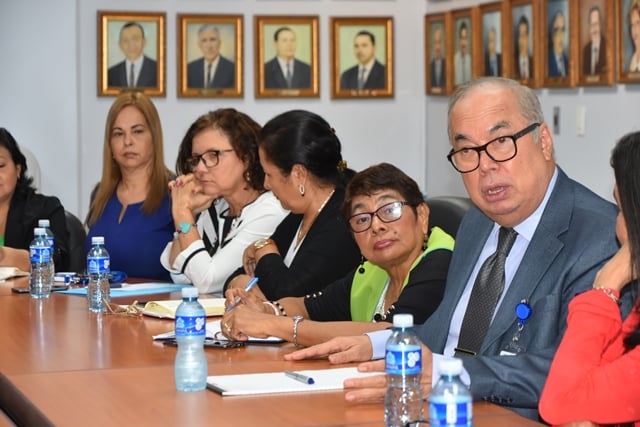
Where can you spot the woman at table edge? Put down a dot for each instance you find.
(405, 272)
(595, 374)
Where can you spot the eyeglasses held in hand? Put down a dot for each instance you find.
(501, 149)
(210, 158)
(388, 213)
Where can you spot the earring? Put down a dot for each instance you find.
(361, 269)
(301, 189)
(247, 176)
(425, 243)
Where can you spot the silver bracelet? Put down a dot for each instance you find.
(296, 320)
(608, 292)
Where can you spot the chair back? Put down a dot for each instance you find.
(77, 238)
(446, 212)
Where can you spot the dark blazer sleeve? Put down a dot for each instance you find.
(23, 217)
(327, 253)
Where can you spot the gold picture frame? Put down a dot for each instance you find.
(492, 58)
(595, 37)
(560, 48)
(210, 56)
(131, 52)
(524, 45)
(355, 39)
(463, 46)
(628, 12)
(286, 57)
(436, 28)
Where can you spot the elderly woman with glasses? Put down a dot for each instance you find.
(405, 271)
(219, 204)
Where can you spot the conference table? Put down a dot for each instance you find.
(65, 366)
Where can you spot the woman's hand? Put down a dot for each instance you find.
(187, 195)
(241, 322)
(337, 350)
(616, 273)
(254, 299)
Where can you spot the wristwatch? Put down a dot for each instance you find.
(184, 227)
(261, 243)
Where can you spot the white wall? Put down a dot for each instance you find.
(49, 100)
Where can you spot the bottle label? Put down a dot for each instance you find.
(98, 265)
(39, 254)
(403, 359)
(451, 414)
(190, 325)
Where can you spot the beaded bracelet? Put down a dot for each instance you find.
(608, 292)
(280, 307)
(275, 309)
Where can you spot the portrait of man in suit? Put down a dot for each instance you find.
(369, 73)
(437, 65)
(211, 70)
(137, 69)
(558, 63)
(462, 57)
(285, 71)
(492, 58)
(523, 59)
(594, 56)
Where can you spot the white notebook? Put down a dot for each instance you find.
(213, 331)
(278, 382)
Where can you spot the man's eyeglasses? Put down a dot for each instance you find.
(501, 149)
(210, 158)
(388, 213)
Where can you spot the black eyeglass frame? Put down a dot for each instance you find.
(375, 213)
(483, 147)
(194, 161)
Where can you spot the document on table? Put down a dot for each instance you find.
(214, 331)
(166, 309)
(278, 382)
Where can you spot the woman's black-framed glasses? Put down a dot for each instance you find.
(501, 149)
(387, 213)
(210, 158)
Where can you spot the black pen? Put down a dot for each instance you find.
(299, 377)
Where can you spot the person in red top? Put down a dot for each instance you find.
(595, 374)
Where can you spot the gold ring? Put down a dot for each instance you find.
(227, 328)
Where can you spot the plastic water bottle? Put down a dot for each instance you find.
(403, 401)
(191, 363)
(98, 290)
(44, 223)
(41, 277)
(450, 402)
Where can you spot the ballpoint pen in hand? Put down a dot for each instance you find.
(247, 288)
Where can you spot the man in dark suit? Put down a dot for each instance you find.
(492, 59)
(137, 70)
(285, 71)
(558, 63)
(369, 73)
(523, 62)
(438, 66)
(594, 55)
(212, 70)
(556, 252)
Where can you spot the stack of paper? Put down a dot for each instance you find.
(167, 309)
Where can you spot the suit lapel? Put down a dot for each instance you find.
(537, 260)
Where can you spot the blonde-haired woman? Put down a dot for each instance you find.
(131, 206)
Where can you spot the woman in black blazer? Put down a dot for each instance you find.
(301, 156)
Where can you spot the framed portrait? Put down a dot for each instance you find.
(524, 44)
(628, 35)
(436, 28)
(131, 47)
(559, 52)
(595, 42)
(362, 57)
(286, 58)
(210, 56)
(462, 49)
(491, 52)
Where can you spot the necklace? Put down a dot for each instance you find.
(302, 235)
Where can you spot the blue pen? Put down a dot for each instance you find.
(247, 288)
